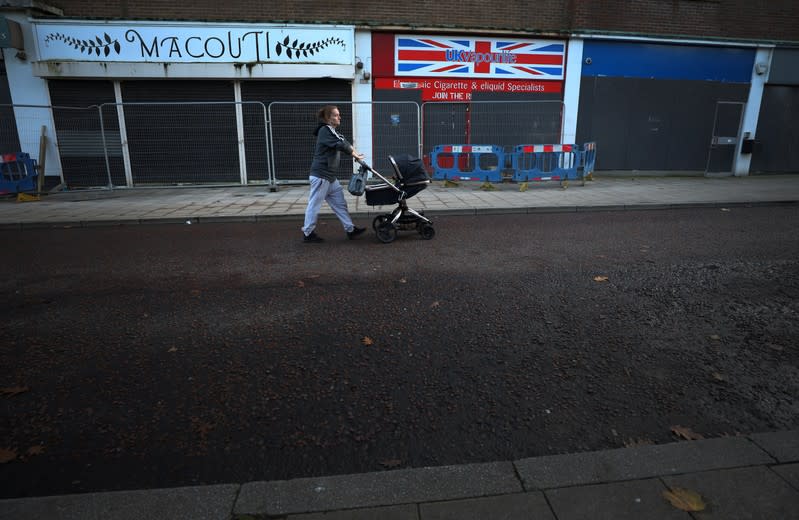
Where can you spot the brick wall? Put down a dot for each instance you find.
(767, 20)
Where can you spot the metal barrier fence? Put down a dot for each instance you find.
(378, 128)
(501, 123)
(187, 143)
(139, 144)
(173, 143)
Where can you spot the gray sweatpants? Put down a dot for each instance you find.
(333, 193)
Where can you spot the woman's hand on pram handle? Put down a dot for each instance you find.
(358, 156)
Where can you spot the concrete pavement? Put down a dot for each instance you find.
(745, 477)
(257, 203)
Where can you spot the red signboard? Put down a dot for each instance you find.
(454, 89)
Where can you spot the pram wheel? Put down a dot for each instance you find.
(379, 221)
(386, 232)
(427, 231)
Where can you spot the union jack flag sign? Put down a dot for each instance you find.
(478, 57)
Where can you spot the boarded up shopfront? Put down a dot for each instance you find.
(774, 149)
(494, 91)
(655, 106)
(177, 104)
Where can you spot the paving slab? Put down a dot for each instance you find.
(741, 494)
(519, 506)
(783, 446)
(640, 462)
(187, 503)
(310, 495)
(789, 472)
(406, 512)
(632, 500)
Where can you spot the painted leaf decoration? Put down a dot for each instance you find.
(288, 53)
(116, 47)
(685, 499)
(106, 50)
(278, 49)
(294, 44)
(107, 38)
(99, 41)
(286, 41)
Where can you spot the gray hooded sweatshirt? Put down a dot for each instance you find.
(327, 154)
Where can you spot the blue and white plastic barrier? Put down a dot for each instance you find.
(545, 162)
(18, 173)
(588, 160)
(467, 162)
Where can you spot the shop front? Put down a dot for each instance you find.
(138, 103)
(474, 90)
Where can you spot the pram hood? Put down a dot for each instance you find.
(410, 169)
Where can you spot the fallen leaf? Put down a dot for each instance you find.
(391, 463)
(434, 304)
(719, 377)
(685, 499)
(300, 283)
(35, 450)
(403, 280)
(367, 341)
(201, 427)
(14, 390)
(778, 348)
(600, 278)
(7, 455)
(173, 349)
(714, 337)
(632, 443)
(686, 433)
(725, 209)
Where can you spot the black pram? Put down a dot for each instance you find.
(410, 178)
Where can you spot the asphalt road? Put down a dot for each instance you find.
(168, 355)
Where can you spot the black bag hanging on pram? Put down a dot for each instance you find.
(357, 183)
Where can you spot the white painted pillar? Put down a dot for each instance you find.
(571, 90)
(123, 134)
(760, 72)
(27, 89)
(240, 133)
(362, 96)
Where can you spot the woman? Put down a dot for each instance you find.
(324, 184)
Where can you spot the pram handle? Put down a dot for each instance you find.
(363, 163)
(367, 167)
